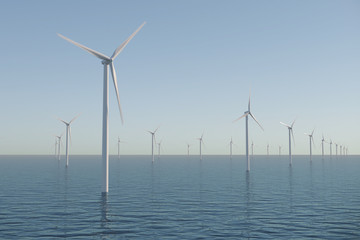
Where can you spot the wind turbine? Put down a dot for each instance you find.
(106, 61)
(159, 146)
(336, 148)
(231, 144)
(153, 140)
(330, 148)
(188, 150)
(55, 147)
(311, 138)
(246, 115)
(279, 150)
(201, 142)
(119, 141)
(68, 134)
(290, 127)
(59, 140)
(267, 149)
(322, 146)
(340, 150)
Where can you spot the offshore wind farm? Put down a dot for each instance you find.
(202, 175)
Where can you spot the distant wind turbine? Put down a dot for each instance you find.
(267, 149)
(119, 141)
(336, 148)
(106, 61)
(330, 148)
(231, 145)
(340, 150)
(201, 142)
(311, 138)
(322, 146)
(246, 115)
(68, 134)
(290, 127)
(153, 141)
(188, 150)
(59, 143)
(279, 150)
(159, 147)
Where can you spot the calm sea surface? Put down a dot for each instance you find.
(180, 198)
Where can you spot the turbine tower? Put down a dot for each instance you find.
(246, 115)
(290, 127)
(153, 140)
(106, 61)
(231, 145)
(201, 142)
(279, 150)
(330, 148)
(159, 145)
(311, 138)
(322, 146)
(336, 149)
(59, 143)
(119, 141)
(188, 150)
(267, 149)
(68, 135)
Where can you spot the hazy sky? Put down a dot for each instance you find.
(189, 71)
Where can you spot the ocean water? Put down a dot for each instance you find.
(178, 197)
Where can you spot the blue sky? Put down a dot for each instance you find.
(189, 71)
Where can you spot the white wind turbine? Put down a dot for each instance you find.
(119, 141)
(246, 115)
(311, 138)
(106, 61)
(188, 150)
(340, 150)
(201, 142)
(322, 146)
(290, 127)
(59, 143)
(330, 148)
(231, 145)
(159, 147)
(336, 148)
(68, 135)
(267, 149)
(279, 150)
(153, 140)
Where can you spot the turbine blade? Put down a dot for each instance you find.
(74, 118)
(89, 50)
(256, 121)
(312, 132)
(241, 117)
(313, 141)
(113, 73)
(156, 129)
(63, 121)
(122, 46)
(285, 124)
(249, 101)
(293, 123)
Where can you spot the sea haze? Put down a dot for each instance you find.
(177, 197)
